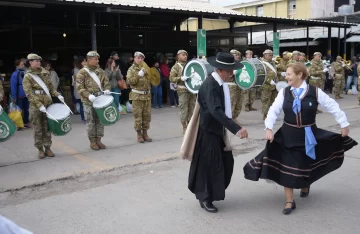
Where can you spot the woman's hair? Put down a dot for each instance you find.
(299, 68)
(18, 61)
(109, 62)
(45, 63)
(78, 61)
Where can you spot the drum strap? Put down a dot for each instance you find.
(94, 77)
(41, 83)
(180, 66)
(270, 66)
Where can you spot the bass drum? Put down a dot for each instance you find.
(196, 70)
(253, 74)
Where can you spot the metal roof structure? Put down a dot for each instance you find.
(191, 8)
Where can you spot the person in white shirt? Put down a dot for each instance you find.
(300, 153)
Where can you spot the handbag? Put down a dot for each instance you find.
(122, 84)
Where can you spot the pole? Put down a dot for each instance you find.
(329, 42)
(119, 28)
(338, 52)
(200, 22)
(345, 19)
(251, 36)
(93, 31)
(307, 42)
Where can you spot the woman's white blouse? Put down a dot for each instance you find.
(329, 105)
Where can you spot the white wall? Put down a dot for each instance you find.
(322, 8)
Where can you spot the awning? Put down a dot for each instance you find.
(355, 38)
(296, 43)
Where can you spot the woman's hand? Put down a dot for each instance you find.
(345, 132)
(269, 135)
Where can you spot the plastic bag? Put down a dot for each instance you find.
(122, 109)
(354, 90)
(15, 114)
(128, 107)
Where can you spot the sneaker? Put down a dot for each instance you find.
(83, 121)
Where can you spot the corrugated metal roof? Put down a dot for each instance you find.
(353, 39)
(187, 6)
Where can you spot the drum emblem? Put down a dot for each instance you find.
(245, 76)
(195, 74)
(66, 125)
(4, 130)
(110, 114)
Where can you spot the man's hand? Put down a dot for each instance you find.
(141, 73)
(42, 109)
(107, 92)
(325, 70)
(272, 82)
(242, 133)
(345, 131)
(1, 108)
(61, 98)
(184, 78)
(269, 135)
(92, 98)
(283, 74)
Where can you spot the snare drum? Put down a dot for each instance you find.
(62, 114)
(280, 85)
(106, 110)
(253, 74)
(7, 127)
(197, 71)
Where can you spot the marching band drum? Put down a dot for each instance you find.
(253, 74)
(106, 110)
(197, 70)
(58, 119)
(7, 127)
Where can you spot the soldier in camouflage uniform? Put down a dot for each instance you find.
(302, 58)
(236, 94)
(295, 57)
(138, 77)
(89, 90)
(39, 89)
(186, 98)
(281, 68)
(250, 94)
(339, 78)
(317, 72)
(268, 89)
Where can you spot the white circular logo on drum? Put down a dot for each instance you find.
(110, 114)
(4, 130)
(66, 125)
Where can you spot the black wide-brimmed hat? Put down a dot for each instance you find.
(224, 61)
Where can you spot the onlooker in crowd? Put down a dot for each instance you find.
(353, 74)
(125, 93)
(157, 90)
(165, 73)
(17, 92)
(79, 63)
(54, 79)
(113, 72)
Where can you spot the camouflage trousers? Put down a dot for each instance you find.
(359, 90)
(93, 126)
(267, 98)
(316, 83)
(187, 104)
(339, 86)
(237, 99)
(249, 96)
(42, 135)
(142, 114)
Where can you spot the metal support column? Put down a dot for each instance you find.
(265, 38)
(200, 22)
(93, 31)
(119, 29)
(251, 32)
(178, 25)
(339, 39)
(231, 29)
(307, 42)
(329, 42)
(345, 20)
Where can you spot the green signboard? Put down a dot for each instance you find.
(276, 44)
(201, 42)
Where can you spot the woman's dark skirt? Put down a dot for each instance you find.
(285, 162)
(211, 168)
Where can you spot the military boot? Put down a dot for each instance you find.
(146, 137)
(184, 127)
(99, 143)
(48, 152)
(41, 153)
(252, 108)
(140, 138)
(247, 108)
(93, 144)
(337, 97)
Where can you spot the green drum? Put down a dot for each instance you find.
(62, 114)
(7, 127)
(106, 110)
(197, 71)
(253, 74)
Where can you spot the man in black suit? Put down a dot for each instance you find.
(212, 164)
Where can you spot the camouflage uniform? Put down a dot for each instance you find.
(186, 98)
(236, 97)
(282, 68)
(317, 75)
(141, 102)
(86, 86)
(38, 98)
(249, 99)
(268, 91)
(1, 91)
(339, 79)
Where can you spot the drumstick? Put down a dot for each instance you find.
(112, 92)
(51, 117)
(67, 107)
